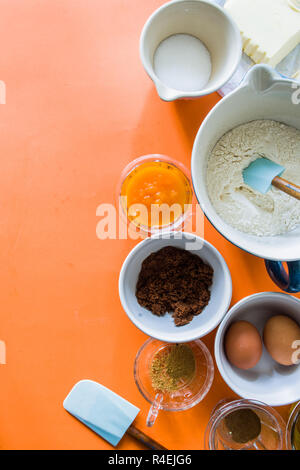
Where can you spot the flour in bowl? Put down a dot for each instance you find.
(239, 205)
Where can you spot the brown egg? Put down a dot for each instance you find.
(280, 333)
(243, 345)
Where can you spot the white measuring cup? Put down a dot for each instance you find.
(204, 20)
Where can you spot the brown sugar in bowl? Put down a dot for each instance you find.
(163, 327)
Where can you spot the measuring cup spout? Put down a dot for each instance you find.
(154, 409)
(165, 93)
(262, 78)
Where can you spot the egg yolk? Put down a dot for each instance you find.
(162, 190)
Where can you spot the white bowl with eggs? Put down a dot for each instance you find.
(199, 20)
(163, 327)
(268, 381)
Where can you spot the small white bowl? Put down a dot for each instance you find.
(163, 328)
(268, 381)
(204, 20)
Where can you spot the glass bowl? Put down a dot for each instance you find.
(291, 428)
(271, 437)
(188, 394)
(180, 217)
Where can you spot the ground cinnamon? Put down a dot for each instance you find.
(176, 281)
(171, 367)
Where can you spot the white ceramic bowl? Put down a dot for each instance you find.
(208, 22)
(263, 94)
(268, 381)
(163, 328)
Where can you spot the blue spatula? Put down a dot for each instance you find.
(106, 413)
(262, 173)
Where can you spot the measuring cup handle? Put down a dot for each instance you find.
(289, 281)
(154, 409)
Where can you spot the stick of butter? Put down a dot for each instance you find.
(270, 29)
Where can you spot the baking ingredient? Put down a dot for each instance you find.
(280, 334)
(243, 425)
(295, 4)
(156, 183)
(172, 367)
(243, 345)
(182, 62)
(237, 203)
(270, 29)
(296, 75)
(174, 280)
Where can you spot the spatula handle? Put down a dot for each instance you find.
(144, 439)
(287, 187)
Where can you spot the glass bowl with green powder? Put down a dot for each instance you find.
(173, 377)
(244, 425)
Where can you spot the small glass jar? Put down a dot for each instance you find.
(219, 437)
(293, 429)
(188, 394)
(179, 216)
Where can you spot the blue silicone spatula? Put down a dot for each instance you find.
(106, 413)
(262, 173)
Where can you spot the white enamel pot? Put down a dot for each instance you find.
(263, 94)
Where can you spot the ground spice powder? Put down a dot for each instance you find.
(171, 367)
(244, 425)
(174, 280)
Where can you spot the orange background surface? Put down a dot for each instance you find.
(79, 108)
